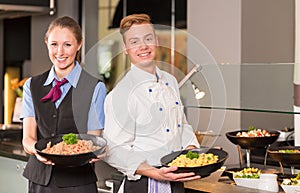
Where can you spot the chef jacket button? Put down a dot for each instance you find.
(179, 125)
(176, 102)
(54, 116)
(160, 109)
(181, 147)
(52, 134)
(167, 130)
(167, 84)
(150, 90)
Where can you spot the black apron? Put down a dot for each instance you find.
(141, 186)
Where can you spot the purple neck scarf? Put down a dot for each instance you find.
(55, 92)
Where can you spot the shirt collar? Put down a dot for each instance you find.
(72, 77)
(148, 75)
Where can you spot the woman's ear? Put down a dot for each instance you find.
(79, 46)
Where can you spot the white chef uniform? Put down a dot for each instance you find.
(144, 120)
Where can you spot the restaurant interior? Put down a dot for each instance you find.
(237, 63)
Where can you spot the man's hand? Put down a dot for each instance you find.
(165, 173)
(168, 173)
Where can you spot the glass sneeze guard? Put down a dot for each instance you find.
(257, 87)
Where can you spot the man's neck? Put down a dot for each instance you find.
(149, 68)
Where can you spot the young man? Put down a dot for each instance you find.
(144, 117)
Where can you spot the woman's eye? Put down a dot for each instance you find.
(68, 45)
(53, 44)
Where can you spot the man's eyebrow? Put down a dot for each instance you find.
(134, 38)
(149, 34)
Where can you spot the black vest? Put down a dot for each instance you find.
(71, 116)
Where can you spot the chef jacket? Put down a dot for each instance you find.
(144, 121)
(96, 112)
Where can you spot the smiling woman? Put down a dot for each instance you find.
(63, 47)
(66, 83)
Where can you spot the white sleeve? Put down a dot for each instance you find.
(119, 133)
(188, 135)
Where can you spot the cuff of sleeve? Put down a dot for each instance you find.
(193, 142)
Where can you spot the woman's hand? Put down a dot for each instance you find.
(42, 159)
(101, 156)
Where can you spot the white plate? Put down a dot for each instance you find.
(247, 182)
(265, 182)
(291, 188)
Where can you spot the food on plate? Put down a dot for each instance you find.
(193, 159)
(254, 132)
(70, 145)
(248, 173)
(289, 151)
(70, 138)
(292, 181)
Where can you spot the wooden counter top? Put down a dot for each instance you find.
(224, 185)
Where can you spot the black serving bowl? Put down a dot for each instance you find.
(281, 177)
(75, 159)
(289, 159)
(252, 142)
(203, 171)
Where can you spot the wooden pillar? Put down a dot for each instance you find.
(297, 74)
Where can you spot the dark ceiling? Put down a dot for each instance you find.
(159, 11)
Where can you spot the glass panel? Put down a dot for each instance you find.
(265, 87)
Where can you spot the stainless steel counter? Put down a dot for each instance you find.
(11, 142)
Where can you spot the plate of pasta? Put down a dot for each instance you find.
(202, 161)
(71, 149)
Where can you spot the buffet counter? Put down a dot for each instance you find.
(11, 142)
(11, 150)
(13, 160)
(222, 186)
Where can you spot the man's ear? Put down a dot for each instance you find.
(125, 49)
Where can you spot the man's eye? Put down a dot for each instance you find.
(149, 39)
